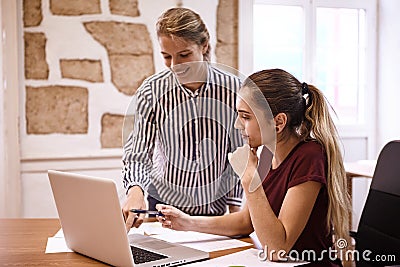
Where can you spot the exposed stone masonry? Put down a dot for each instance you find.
(131, 58)
(56, 109)
(36, 66)
(85, 69)
(32, 12)
(111, 129)
(227, 33)
(124, 7)
(74, 7)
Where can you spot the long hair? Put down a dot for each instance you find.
(310, 119)
(184, 23)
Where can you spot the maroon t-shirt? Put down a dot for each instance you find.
(306, 162)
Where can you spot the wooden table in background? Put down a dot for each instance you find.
(23, 243)
(361, 168)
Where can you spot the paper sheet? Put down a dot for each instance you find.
(209, 246)
(202, 241)
(56, 244)
(245, 258)
(189, 236)
(136, 231)
(154, 228)
(59, 233)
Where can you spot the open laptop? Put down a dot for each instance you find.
(93, 225)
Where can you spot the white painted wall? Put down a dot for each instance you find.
(38, 200)
(388, 97)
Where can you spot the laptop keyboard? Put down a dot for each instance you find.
(141, 255)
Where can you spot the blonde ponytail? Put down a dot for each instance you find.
(319, 125)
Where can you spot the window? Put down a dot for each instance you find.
(328, 43)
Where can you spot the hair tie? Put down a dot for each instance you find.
(304, 90)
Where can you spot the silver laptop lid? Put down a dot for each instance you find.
(91, 217)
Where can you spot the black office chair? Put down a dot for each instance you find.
(379, 227)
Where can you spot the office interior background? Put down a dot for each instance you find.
(69, 70)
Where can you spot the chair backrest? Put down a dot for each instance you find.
(379, 226)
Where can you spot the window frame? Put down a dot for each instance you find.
(367, 129)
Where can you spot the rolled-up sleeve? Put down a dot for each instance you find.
(235, 195)
(138, 149)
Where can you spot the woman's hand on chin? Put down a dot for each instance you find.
(244, 162)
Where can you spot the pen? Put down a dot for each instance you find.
(153, 212)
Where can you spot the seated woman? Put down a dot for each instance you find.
(303, 202)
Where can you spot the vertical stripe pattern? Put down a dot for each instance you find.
(181, 140)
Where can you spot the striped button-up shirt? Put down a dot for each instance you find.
(180, 142)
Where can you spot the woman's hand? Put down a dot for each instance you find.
(244, 162)
(174, 218)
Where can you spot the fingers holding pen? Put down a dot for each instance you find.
(138, 220)
(165, 220)
(133, 220)
(173, 218)
(165, 209)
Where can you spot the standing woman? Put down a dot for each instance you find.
(184, 127)
(303, 204)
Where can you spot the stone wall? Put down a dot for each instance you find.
(65, 86)
(227, 33)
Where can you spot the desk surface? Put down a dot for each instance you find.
(23, 242)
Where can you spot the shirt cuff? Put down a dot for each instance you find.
(132, 184)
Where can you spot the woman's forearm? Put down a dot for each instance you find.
(269, 229)
(232, 224)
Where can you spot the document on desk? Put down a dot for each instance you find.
(154, 228)
(245, 258)
(56, 243)
(202, 241)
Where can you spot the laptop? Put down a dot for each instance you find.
(91, 218)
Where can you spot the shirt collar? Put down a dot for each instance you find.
(201, 90)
